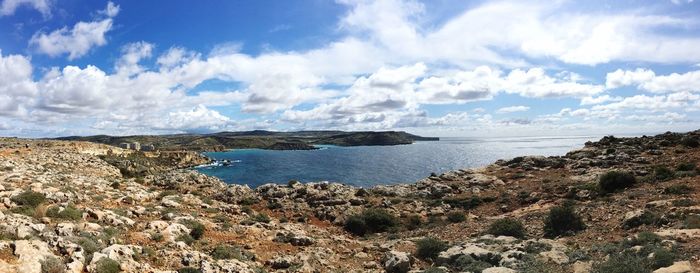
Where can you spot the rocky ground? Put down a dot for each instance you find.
(84, 207)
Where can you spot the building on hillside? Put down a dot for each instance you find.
(125, 145)
(136, 146)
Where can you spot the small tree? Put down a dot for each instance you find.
(507, 227)
(616, 180)
(429, 248)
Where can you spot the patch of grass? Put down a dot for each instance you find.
(115, 185)
(67, 213)
(107, 265)
(248, 201)
(507, 227)
(678, 189)
(613, 181)
(428, 248)
(456, 217)
(88, 243)
(261, 218)
(562, 220)
(370, 221)
(157, 237)
(645, 238)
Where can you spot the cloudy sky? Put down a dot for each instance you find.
(442, 68)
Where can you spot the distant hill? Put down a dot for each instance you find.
(300, 140)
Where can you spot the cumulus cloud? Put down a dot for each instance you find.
(599, 99)
(197, 119)
(647, 80)
(512, 109)
(8, 7)
(78, 40)
(16, 85)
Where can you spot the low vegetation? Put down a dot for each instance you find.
(613, 181)
(428, 248)
(370, 221)
(507, 227)
(562, 220)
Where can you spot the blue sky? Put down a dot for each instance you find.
(445, 68)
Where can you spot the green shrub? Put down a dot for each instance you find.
(89, 245)
(690, 142)
(29, 198)
(52, 265)
(189, 270)
(678, 189)
(686, 167)
(645, 238)
(107, 265)
(662, 258)
(223, 252)
(115, 185)
(24, 210)
(68, 213)
(157, 237)
(623, 263)
(196, 228)
(464, 202)
(261, 218)
(662, 173)
(562, 220)
(370, 221)
(429, 248)
(686, 202)
(456, 217)
(466, 263)
(507, 227)
(188, 239)
(692, 221)
(616, 180)
(355, 224)
(413, 222)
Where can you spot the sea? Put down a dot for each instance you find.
(366, 166)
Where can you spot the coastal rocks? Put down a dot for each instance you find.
(396, 262)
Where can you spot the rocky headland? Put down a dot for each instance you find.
(616, 205)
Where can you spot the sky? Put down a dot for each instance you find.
(434, 68)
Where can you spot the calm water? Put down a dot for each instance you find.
(372, 165)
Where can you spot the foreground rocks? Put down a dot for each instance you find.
(72, 207)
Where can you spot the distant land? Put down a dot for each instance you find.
(300, 140)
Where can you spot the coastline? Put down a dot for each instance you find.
(176, 218)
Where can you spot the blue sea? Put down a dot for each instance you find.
(373, 165)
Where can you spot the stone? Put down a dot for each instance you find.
(582, 267)
(677, 267)
(30, 254)
(396, 262)
(498, 270)
(555, 256)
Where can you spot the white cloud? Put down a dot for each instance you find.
(8, 7)
(512, 109)
(598, 99)
(132, 54)
(78, 40)
(536, 83)
(16, 85)
(647, 80)
(198, 118)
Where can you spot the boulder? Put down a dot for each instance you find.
(677, 267)
(396, 262)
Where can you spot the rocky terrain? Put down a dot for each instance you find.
(302, 140)
(616, 205)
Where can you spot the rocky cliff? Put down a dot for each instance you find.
(616, 205)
